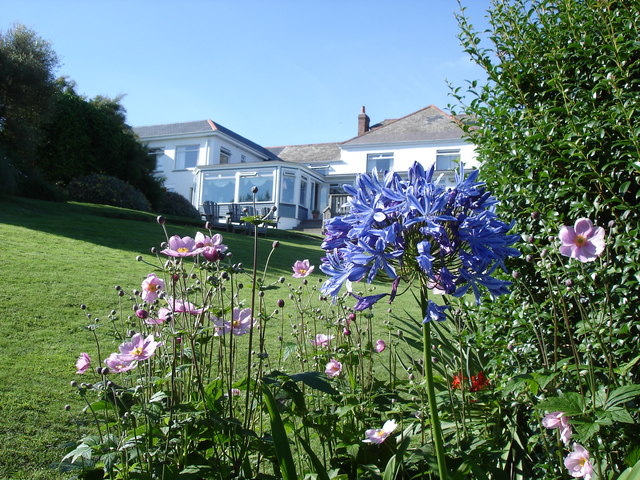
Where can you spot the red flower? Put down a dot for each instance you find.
(457, 381)
(478, 382)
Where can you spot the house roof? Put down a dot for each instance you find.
(197, 127)
(316, 153)
(427, 124)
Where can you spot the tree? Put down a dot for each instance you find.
(90, 136)
(27, 64)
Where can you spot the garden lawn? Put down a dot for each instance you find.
(56, 256)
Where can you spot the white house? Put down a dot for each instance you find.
(205, 161)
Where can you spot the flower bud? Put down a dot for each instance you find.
(352, 317)
(254, 189)
(275, 244)
(83, 306)
(515, 274)
(154, 250)
(160, 219)
(67, 407)
(139, 258)
(535, 215)
(346, 332)
(529, 258)
(142, 314)
(208, 225)
(281, 303)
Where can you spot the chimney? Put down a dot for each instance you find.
(363, 123)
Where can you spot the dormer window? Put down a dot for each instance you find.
(382, 162)
(224, 156)
(187, 156)
(447, 159)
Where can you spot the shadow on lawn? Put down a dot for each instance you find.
(137, 232)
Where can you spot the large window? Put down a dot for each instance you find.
(224, 156)
(218, 188)
(288, 187)
(447, 159)
(264, 182)
(382, 162)
(303, 191)
(187, 156)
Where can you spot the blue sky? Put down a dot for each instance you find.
(279, 72)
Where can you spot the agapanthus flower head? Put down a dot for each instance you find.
(414, 228)
(151, 287)
(379, 435)
(333, 368)
(560, 421)
(83, 363)
(302, 268)
(241, 323)
(578, 462)
(181, 247)
(138, 348)
(583, 241)
(118, 363)
(322, 340)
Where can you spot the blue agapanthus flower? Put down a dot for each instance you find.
(415, 228)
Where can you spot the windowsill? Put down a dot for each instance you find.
(190, 169)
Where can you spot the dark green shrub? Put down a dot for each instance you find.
(173, 203)
(558, 135)
(107, 190)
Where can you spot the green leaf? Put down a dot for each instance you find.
(317, 464)
(570, 403)
(280, 439)
(622, 395)
(81, 451)
(631, 473)
(315, 380)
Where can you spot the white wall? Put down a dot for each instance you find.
(355, 157)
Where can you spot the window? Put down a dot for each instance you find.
(264, 182)
(243, 159)
(224, 156)
(187, 156)
(218, 188)
(288, 186)
(303, 191)
(447, 159)
(382, 162)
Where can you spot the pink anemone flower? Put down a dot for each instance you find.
(241, 323)
(380, 346)
(83, 363)
(302, 269)
(163, 315)
(139, 348)
(118, 364)
(151, 287)
(181, 247)
(322, 340)
(333, 368)
(560, 421)
(379, 435)
(202, 241)
(583, 241)
(578, 463)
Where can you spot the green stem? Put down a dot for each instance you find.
(436, 430)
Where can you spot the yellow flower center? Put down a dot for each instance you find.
(152, 287)
(235, 323)
(302, 271)
(583, 461)
(183, 250)
(137, 351)
(580, 240)
(380, 433)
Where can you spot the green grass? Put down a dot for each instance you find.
(56, 256)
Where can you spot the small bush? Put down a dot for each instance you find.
(31, 183)
(107, 190)
(173, 203)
